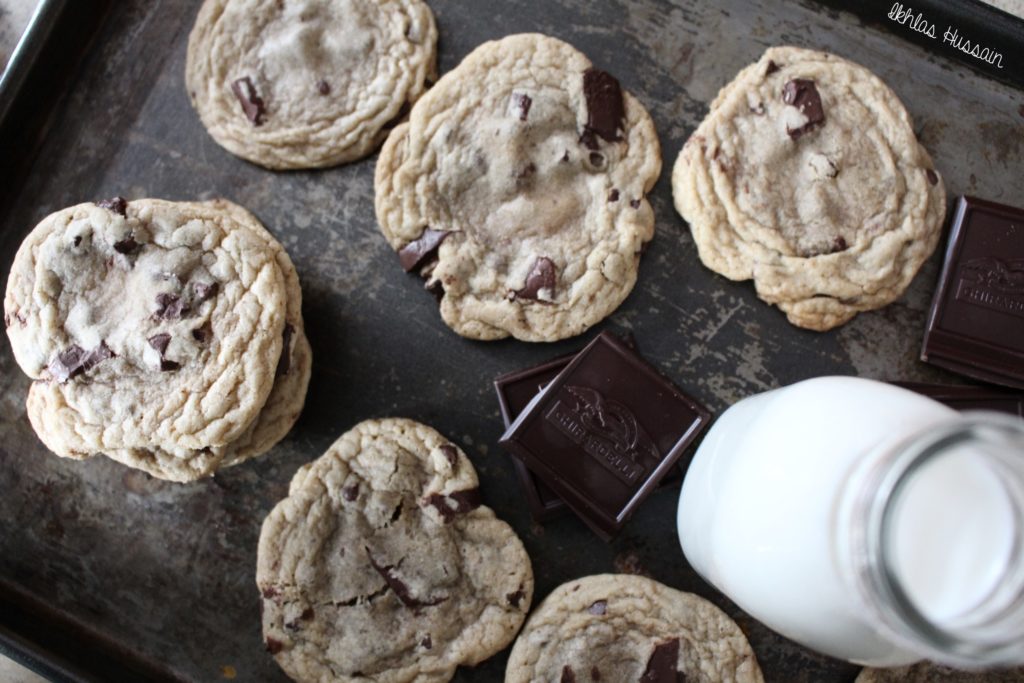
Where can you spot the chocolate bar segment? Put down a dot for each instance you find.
(604, 432)
(976, 323)
(971, 398)
(515, 390)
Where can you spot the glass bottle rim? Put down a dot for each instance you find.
(879, 577)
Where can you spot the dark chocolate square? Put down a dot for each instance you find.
(971, 398)
(976, 324)
(515, 390)
(604, 432)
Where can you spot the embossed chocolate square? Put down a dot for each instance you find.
(515, 391)
(976, 323)
(605, 432)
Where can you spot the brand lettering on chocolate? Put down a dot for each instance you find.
(996, 274)
(980, 296)
(605, 430)
(993, 283)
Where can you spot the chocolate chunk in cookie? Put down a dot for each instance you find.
(662, 667)
(455, 503)
(74, 360)
(284, 362)
(803, 94)
(203, 291)
(169, 306)
(421, 250)
(451, 454)
(127, 246)
(159, 343)
(540, 282)
(605, 109)
(520, 105)
(204, 333)
(68, 363)
(252, 104)
(116, 204)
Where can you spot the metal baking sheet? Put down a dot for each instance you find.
(24, 29)
(158, 577)
(15, 17)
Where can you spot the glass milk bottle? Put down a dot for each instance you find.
(865, 521)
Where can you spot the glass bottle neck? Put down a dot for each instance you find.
(933, 530)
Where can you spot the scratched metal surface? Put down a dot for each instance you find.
(168, 569)
(14, 17)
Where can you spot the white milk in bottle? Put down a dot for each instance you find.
(865, 521)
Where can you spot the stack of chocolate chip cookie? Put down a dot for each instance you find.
(167, 336)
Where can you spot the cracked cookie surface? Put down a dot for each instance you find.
(307, 83)
(619, 627)
(517, 188)
(806, 177)
(155, 327)
(382, 565)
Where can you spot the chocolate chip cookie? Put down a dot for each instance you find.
(307, 83)
(166, 335)
(517, 190)
(618, 627)
(807, 177)
(292, 372)
(63, 431)
(382, 564)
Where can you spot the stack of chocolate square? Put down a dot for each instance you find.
(596, 432)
